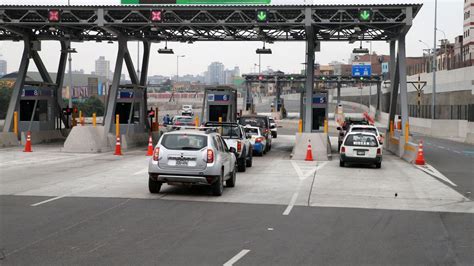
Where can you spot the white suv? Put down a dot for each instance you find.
(361, 147)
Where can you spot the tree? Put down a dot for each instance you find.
(5, 95)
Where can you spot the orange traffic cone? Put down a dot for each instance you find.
(118, 148)
(309, 153)
(28, 142)
(420, 158)
(150, 147)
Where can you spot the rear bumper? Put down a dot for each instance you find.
(179, 176)
(185, 179)
(362, 160)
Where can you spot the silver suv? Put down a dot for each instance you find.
(196, 157)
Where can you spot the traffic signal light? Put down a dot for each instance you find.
(361, 78)
(260, 77)
(151, 113)
(67, 111)
(156, 16)
(53, 15)
(262, 16)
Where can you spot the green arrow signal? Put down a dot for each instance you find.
(262, 15)
(364, 15)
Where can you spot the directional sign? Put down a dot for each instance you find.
(262, 16)
(362, 69)
(319, 100)
(365, 14)
(193, 2)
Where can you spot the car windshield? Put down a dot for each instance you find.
(362, 129)
(253, 121)
(272, 120)
(184, 119)
(252, 131)
(231, 132)
(184, 142)
(361, 140)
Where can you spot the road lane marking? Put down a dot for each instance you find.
(434, 172)
(313, 169)
(237, 257)
(141, 171)
(292, 203)
(60, 197)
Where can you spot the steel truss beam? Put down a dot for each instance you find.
(208, 23)
(296, 78)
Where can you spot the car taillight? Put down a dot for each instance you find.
(258, 140)
(379, 151)
(343, 149)
(210, 156)
(239, 146)
(177, 123)
(156, 154)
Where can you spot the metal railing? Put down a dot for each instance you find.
(454, 112)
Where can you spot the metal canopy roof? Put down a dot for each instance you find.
(206, 22)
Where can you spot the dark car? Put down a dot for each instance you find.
(261, 121)
(348, 122)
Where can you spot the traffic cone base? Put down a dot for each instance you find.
(150, 147)
(118, 148)
(28, 142)
(309, 154)
(420, 158)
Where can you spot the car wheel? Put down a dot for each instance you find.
(249, 160)
(231, 181)
(218, 186)
(378, 165)
(242, 164)
(276, 135)
(154, 186)
(341, 163)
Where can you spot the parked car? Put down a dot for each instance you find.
(234, 136)
(367, 128)
(273, 128)
(361, 147)
(257, 140)
(192, 157)
(187, 110)
(261, 121)
(180, 120)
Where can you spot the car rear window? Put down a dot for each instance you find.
(230, 132)
(361, 129)
(185, 119)
(253, 121)
(252, 131)
(184, 142)
(361, 140)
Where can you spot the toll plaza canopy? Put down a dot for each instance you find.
(189, 23)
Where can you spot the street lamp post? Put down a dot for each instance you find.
(70, 81)
(433, 96)
(177, 67)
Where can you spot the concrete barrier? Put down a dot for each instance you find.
(320, 146)
(47, 136)
(8, 139)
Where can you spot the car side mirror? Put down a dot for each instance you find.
(339, 128)
(233, 150)
(272, 127)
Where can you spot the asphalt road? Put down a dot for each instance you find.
(453, 159)
(114, 231)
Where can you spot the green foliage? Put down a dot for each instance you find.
(5, 95)
(89, 106)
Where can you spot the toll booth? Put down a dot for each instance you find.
(220, 102)
(319, 106)
(130, 108)
(279, 103)
(38, 107)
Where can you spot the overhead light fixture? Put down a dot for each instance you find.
(110, 41)
(52, 28)
(69, 50)
(153, 29)
(263, 50)
(165, 50)
(360, 50)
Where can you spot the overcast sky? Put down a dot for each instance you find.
(287, 56)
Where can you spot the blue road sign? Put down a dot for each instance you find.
(319, 99)
(361, 70)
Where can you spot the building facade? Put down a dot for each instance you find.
(468, 31)
(3, 67)
(102, 68)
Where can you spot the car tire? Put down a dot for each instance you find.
(231, 181)
(342, 163)
(276, 135)
(241, 164)
(218, 186)
(378, 165)
(154, 186)
(249, 161)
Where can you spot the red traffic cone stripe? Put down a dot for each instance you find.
(420, 158)
(118, 148)
(150, 147)
(309, 153)
(28, 142)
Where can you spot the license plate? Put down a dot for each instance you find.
(360, 152)
(181, 163)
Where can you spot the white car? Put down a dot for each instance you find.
(368, 129)
(257, 140)
(187, 110)
(361, 147)
(273, 128)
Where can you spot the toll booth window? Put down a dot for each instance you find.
(123, 109)
(27, 108)
(361, 140)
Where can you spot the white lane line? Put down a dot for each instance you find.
(297, 169)
(60, 197)
(458, 152)
(141, 171)
(434, 172)
(237, 257)
(292, 203)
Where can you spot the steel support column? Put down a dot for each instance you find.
(248, 96)
(143, 81)
(20, 81)
(60, 81)
(278, 94)
(394, 82)
(402, 70)
(112, 97)
(309, 85)
(41, 67)
(339, 90)
(379, 98)
(130, 67)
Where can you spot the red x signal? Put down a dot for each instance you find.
(156, 15)
(53, 16)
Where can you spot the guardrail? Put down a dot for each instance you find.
(452, 112)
